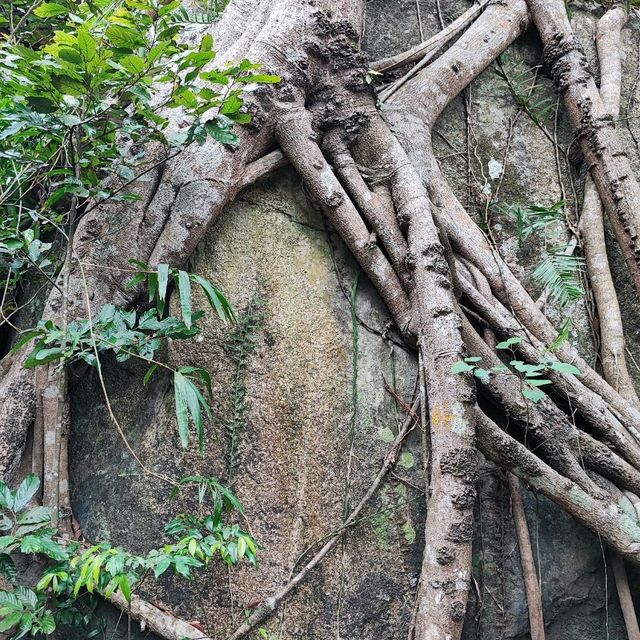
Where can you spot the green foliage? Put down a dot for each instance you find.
(241, 344)
(560, 273)
(76, 571)
(207, 14)
(131, 334)
(522, 82)
(530, 374)
(532, 218)
(84, 86)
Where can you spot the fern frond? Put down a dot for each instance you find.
(522, 82)
(560, 274)
(211, 12)
(532, 218)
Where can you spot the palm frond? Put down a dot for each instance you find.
(533, 217)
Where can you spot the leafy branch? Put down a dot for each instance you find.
(531, 374)
(131, 334)
(77, 570)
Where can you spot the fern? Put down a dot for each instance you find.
(242, 342)
(560, 273)
(532, 218)
(522, 82)
(210, 13)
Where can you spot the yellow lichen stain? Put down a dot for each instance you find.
(449, 417)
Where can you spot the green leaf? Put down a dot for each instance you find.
(409, 532)
(216, 299)
(407, 460)
(535, 395)
(35, 515)
(260, 78)
(184, 288)
(24, 338)
(182, 411)
(163, 280)
(27, 489)
(481, 373)
(47, 623)
(564, 367)
(10, 621)
(50, 10)
(161, 567)
(136, 280)
(150, 371)
(386, 435)
(87, 45)
(541, 382)
(123, 37)
(7, 567)
(125, 587)
(232, 104)
(461, 367)
(473, 359)
(207, 43)
(68, 85)
(133, 64)
(222, 133)
(560, 273)
(42, 104)
(507, 344)
(6, 496)
(7, 541)
(242, 547)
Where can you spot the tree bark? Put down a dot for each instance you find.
(595, 127)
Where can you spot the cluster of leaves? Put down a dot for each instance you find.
(83, 87)
(131, 334)
(532, 218)
(210, 12)
(531, 374)
(559, 273)
(75, 571)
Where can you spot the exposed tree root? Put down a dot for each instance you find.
(624, 595)
(531, 581)
(156, 620)
(608, 520)
(603, 151)
(614, 363)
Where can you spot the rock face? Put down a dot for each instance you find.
(302, 416)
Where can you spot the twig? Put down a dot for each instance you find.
(435, 43)
(268, 606)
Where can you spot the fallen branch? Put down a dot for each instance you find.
(156, 620)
